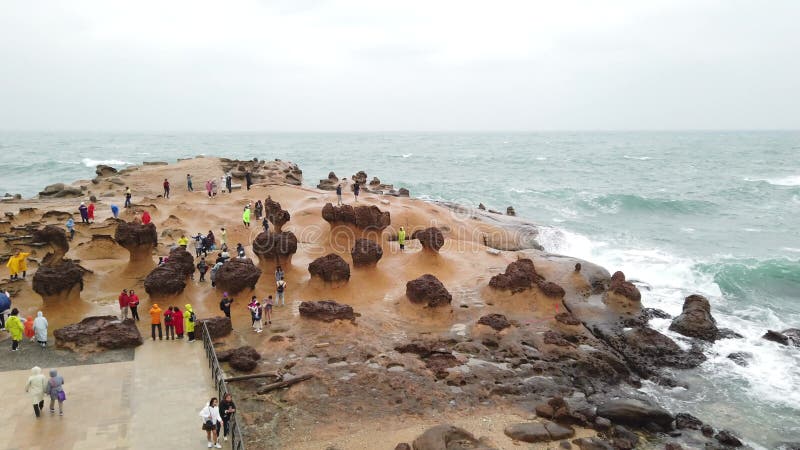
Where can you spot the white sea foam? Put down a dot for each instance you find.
(88, 162)
(638, 158)
(407, 155)
(791, 180)
(541, 158)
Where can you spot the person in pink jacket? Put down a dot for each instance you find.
(177, 321)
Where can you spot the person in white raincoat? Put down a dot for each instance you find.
(40, 329)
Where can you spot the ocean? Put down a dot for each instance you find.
(714, 213)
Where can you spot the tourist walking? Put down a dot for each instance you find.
(166, 188)
(211, 422)
(55, 389)
(146, 218)
(281, 290)
(90, 212)
(115, 211)
(188, 322)
(208, 188)
(17, 264)
(268, 309)
(214, 271)
(71, 228)
(259, 209)
(15, 327)
(124, 304)
(5, 308)
(227, 408)
(155, 322)
(183, 241)
(128, 196)
(256, 311)
(246, 216)
(28, 328)
(202, 267)
(177, 321)
(279, 275)
(356, 190)
(225, 304)
(215, 187)
(223, 237)
(248, 179)
(240, 250)
(189, 182)
(40, 329)
(211, 241)
(36, 387)
(229, 182)
(401, 238)
(133, 304)
(250, 307)
(168, 324)
(339, 194)
(84, 213)
(265, 224)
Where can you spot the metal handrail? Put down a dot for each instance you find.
(237, 443)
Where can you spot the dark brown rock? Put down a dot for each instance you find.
(685, 420)
(366, 252)
(360, 177)
(623, 438)
(775, 336)
(272, 247)
(103, 170)
(448, 437)
(519, 275)
(236, 275)
(138, 239)
(551, 289)
(696, 320)
(403, 192)
(327, 311)
(243, 359)
(218, 327)
(497, 321)
(634, 412)
(430, 238)
(567, 318)
(727, 438)
(330, 268)
(170, 277)
(429, 290)
(275, 214)
(58, 280)
(59, 190)
(364, 217)
(624, 288)
(54, 236)
(97, 333)
(538, 431)
(592, 443)
(402, 446)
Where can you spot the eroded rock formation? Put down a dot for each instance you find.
(366, 252)
(330, 268)
(57, 278)
(170, 277)
(327, 311)
(430, 238)
(98, 333)
(275, 247)
(275, 214)
(237, 274)
(429, 290)
(364, 217)
(138, 239)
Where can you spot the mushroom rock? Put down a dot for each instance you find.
(170, 277)
(275, 213)
(56, 278)
(497, 321)
(365, 217)
(56, 237)
(139, 239)
(98, 333)
(551, 289)
(330, 268)
(428, 289)
(519, 276)
(338, 214)
(237, 274)
(327, 311)
(624, 288)
(366, 252)
(430, 238)
(269, 246)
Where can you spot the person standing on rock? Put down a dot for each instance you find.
(250, 308)
(229, 182)
(5, 308)
(55, 389)
(202, 267)
(170, 328)
(356, 190)
(40, 329)
(177, 321)
(189, 182)
(183, 241)
(246, 216)
(124, 304)
(211, 422)
(90, 212)
(146, 218)
(128, 196)
(281, 291)
(71, 228)
(227, 409)
(248, 178)
(268, 309)
(188, 322)
(133, 304)
(339, 194)
(225, 304)
(256, 312)
(115, 211)
(36, 387)
(15, 327)
(166, 188)
(155, 322)
(401, 238)
(84, 213)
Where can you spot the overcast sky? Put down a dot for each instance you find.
(306, 65)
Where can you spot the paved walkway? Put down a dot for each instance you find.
(150, 402)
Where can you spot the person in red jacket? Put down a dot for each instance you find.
(124, 303)
(133, 304)
(91, 212)
(177, 321)
(146, 218)
(166, 188)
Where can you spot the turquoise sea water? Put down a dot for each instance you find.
(714, 213)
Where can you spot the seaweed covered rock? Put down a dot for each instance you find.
(330, 268)
(269, 246)
(429, 290)
(430, 238)
(365, 217)
(237, 274)
(366, 252)
(519, 275)
(139, 239)
(326, 311)
(275, 214)
(98, 333)
(620, 286)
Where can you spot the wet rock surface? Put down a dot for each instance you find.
(243, 359)
(635, 413)
(56, 278)
(330, 268)
(429, 290)
(498, 322)
(366, 252)
(624, 288)
(449, 437)
(327, 311)
(236, 275)
(272, 247)
(696, 320)
(364, 217)
(275, 214)
(98, 333)
(430, 238)
(218, 327)
(170, 277)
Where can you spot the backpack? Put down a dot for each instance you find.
(281, 286)
(222, 305)
(168, 318)
(191, 317)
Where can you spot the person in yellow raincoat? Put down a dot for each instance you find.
(188, 321)
(15, 326)
(18, 263)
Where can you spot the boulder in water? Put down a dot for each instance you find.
(696, 320)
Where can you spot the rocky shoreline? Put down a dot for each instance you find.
(472, 319)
